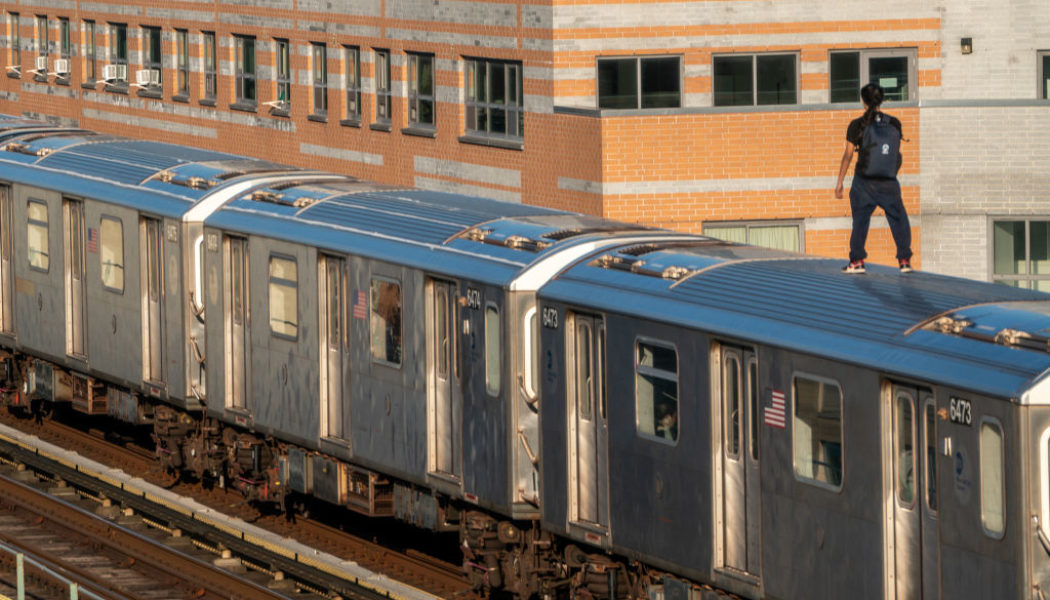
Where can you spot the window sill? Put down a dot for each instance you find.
(206, 102)
(384, 126)
(350, 123)
(40, 78)
(14, 74)
(90, 84)
(157, 94)
(317, 118)
(495, 142)
(117, 88)
(245, 106)
(426, 131)
(181, 98)
(280, 112)
(63, 81)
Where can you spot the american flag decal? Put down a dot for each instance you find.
(775, 414)
(361, 306)
(92, 242)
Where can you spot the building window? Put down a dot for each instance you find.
(284, 75)
(382, 77)
(14, 36)
(42, 49)
(111, 253)
(1043, 59)
(421, 89)
(352, 81)
(151, 58)
(284, 297)
(656, 390)
(755, 79)
(817, 430)
(1021, 253)
(993, 501)
(891, 69)
(385, 321)
(118, 44)
(770, 235)
(182, 63)
(244, 70)
(645, 82)
(494, 98)
(36, 228)
(90, 61)
(65, 47)
(210, 62)
(319, 68)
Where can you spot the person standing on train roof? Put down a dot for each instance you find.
(876, 137)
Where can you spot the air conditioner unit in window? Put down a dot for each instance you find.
(147, 77)
(61, 67)
(115, 72)
(41, 64)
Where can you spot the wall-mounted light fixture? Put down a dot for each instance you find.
(967, 45)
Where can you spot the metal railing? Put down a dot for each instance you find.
(45, 567)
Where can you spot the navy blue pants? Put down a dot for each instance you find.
(864, 196)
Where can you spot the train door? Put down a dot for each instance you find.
(152, 292)
(588, 423)
(335, 377)
(741, 495)
(445, 402)
(7, 290)
(237, 320)
(914, 482)
(74, 275)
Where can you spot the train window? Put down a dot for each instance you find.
(39, 252)
(584, 372)
(111, 253)
(385, 322)
(731, 395)
(752, 395)
(284, 297)
(993, 517)
(493, 350)
(531, 367)
(817, 430)
(904, 448)
(656, 390)
(931, 455)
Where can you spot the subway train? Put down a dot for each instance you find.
(601, 410)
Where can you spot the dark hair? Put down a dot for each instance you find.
(872, 95)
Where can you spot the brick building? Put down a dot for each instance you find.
(725, 117)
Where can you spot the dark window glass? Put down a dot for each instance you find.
(245, 69)
(661, 82)
(1044, 88)
(891, 73)
(382, 79)
(733, 81)
(845, 76)
(421, 89)
(776, 79)
(494, 98)
(618, 83)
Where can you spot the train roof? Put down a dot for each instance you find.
(974, 335)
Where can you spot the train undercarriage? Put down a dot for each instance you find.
(501, 558)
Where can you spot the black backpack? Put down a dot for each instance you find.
(882, 145)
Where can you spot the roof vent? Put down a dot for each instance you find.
(195, 183)
(268, 196)
(26, 149)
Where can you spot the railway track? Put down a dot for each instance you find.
(410, 565)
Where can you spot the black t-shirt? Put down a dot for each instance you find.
(855, 134)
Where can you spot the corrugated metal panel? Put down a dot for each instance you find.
(384, 223)
(97, 167)
(126, 153)
(180, 153)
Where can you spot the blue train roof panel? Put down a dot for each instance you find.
(883, 318)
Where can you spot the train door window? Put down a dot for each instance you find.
(817, 430)
(731, 393)
(993, 517)
(656, 390)
(904, 449)
(7, 290)
(584, 372)
(111, 253)
(930, 433)
(752, 398)
(531, 364)
(284, 301)
(385, 321)
(493, 350)
(37, 230)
